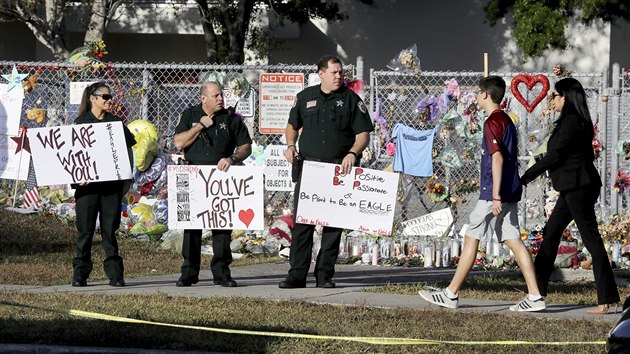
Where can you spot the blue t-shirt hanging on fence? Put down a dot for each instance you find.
(413, 151)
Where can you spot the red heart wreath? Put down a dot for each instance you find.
(530, 81)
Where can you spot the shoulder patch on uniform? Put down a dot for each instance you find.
(295, 102)
(362, 107)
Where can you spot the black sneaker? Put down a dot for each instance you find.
(292, 284)
(79, 282)
(119, 283)
(327, 284)
(186, 282)
(226, 282)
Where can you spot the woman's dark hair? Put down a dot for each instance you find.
(86, 104)
(575, 101)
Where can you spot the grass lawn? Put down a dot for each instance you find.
(37, 250)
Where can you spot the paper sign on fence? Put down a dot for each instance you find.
(79, 153)
(202, 197)
(363, 200)
(433, 224)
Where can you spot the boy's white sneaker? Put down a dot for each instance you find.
(439, 297)
(527, 305)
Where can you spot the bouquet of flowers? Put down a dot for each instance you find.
(406, 61)
(90, 56)
(435, 190)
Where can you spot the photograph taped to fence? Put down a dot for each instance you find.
(79, 153)
(202, 197)
(363, 200)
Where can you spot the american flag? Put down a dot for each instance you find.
(31, 196)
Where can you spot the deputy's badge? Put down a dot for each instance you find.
(312, 103)
(362, 107)
(340, 103)
(295, 102)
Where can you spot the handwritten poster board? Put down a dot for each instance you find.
(14, 161)
(363, 200)
(11, 109)
(77, 153)
(277, 169)
(277, 94)
(202, 197)
(433, 224)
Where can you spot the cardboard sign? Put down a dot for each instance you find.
(277, 96)
(14, 161)
(277, 169)
(202, 197)
(80, 153)
(433, 224)
(11, 109)
(363, 200)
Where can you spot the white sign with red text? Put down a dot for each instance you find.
(202, 197)
(277, 95)
(363, 200)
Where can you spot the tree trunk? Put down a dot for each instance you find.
(96, 26)
(102, 13)
(208, 32)
(237, 27)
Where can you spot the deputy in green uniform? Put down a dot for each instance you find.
(210, 135)
(336, 128)
(99, 199)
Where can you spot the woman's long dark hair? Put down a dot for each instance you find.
(575, 102)
(86, 104)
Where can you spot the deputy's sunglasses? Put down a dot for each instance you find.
(104, 96)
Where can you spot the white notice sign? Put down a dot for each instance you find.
(243, 105)
(77, 153)
(277, 169)
(202, 197)
(364, 200)
(433, 224)
(277, 93)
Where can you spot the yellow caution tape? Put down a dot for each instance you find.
(369, 340)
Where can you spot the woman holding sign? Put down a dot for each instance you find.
(102, 199)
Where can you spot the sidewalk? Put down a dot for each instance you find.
(261, 281)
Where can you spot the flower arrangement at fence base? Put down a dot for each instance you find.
(616, 229)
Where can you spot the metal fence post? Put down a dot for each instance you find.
(602, 129)
(146, 78)
(614, 158)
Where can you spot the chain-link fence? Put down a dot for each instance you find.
(620, 139)
(444, 101)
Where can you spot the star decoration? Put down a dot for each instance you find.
(22, 145)
(340, 103)
(15, 79)
(222, 126)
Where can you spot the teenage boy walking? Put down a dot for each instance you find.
(496, 210)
